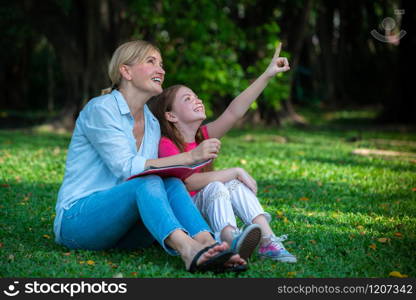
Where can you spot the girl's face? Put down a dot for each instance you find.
(186, 107)
(148, 76)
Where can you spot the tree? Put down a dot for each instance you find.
(263, 24)
(402, 107)
(82, 34)
(295, 42)
(215, 47)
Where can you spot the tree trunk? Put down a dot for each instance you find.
(327, 57)
(81, 37)
(402, 108)
(288, 113)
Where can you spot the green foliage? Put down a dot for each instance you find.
(278, 89)
(203, 48)
(333, 205)
(216, 47)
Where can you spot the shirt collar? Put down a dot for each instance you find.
(124, 108)
(121, 102)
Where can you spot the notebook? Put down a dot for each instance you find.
(179, 171)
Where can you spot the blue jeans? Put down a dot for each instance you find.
(132, 215)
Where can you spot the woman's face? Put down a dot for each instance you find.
(148, 76)
(187, 107)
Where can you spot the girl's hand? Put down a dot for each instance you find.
(245, 178)
(278, 64)
(206, 150)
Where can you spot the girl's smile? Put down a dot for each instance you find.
(187, 107)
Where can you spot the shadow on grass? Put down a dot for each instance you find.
(24, 139)
(27, 215)
(331, 130)
(27, 239)
(313, 153)
(30, 208)
(364, 162)
(341, 197)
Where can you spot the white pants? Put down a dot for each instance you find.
(219, 201)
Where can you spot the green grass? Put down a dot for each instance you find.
(334, 206)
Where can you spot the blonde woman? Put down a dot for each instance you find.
(115, 137)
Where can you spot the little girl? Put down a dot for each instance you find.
(218, 194)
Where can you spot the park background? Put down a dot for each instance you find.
(332, 143)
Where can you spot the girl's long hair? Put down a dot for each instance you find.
(163, 103)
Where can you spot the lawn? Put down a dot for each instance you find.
(346, 215)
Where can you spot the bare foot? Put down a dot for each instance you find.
(235, 260)
(207, 255)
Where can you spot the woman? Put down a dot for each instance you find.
(117, 136)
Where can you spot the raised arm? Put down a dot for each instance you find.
(239, 106)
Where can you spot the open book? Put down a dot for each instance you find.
(180, 171)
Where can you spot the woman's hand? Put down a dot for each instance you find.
(278, 64)
(245, 178)
(206, 150)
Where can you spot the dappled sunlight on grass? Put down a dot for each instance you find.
(346, 215)
(357, 222)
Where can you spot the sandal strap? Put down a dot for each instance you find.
(193, 267)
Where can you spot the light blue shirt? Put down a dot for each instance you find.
(103, 151)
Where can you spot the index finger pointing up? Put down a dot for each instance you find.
(277, 52)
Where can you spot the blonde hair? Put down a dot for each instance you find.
(127, 54)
